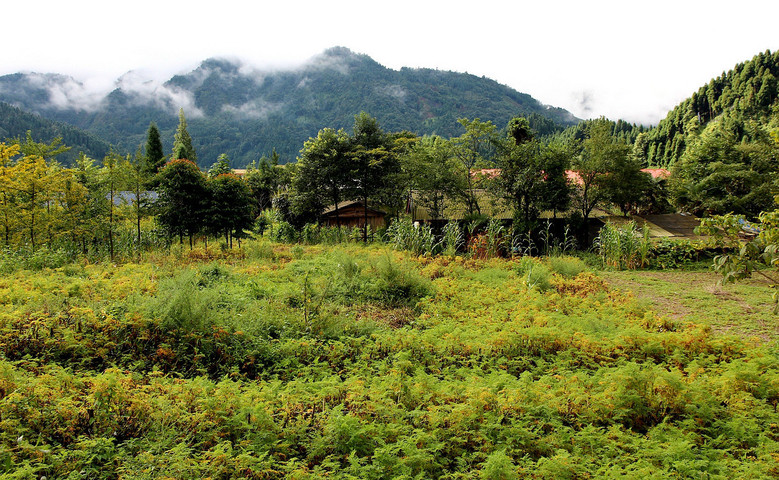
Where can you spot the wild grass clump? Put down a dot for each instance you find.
(453, 239)
(567, 267)
(534, 274)
(184, 305)
(12, 260)
(396, 285)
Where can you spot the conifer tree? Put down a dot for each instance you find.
(182, 142)
(155, 157)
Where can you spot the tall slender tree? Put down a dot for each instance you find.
(155, 156)
(182, 142)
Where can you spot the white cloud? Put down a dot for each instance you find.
(146, 90)
(256, 109)
(68, 93)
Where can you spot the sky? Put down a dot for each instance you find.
(619, 59)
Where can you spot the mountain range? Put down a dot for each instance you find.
(246, 112)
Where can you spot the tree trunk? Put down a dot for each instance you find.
(365, 220)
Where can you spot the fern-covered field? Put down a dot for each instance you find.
(365, 363)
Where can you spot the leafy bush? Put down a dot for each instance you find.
(284, 232)
(674, 253)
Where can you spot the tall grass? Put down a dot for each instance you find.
(624, 247)
(412, 236)
(453, 239)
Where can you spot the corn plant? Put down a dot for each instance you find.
(414, 237)
(453, 239)
(623, 247)
(496, 238)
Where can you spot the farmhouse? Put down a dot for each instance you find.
(353, 213)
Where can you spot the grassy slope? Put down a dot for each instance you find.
(308, 362)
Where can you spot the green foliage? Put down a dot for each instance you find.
(154, 157)
(414, 237)
(745, 93)
(568, 267)
(453, 239)
(397, 285)
(534, 273)
(676, 253)
(183, 197)
(182, 141)
(17, 123)
(498, 467)
(625, 246)
(246, 119)
(719, 174)
(358, 362)
(228, 211)
(220, 167)
(756, 255)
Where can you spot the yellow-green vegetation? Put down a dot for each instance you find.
(360, 362)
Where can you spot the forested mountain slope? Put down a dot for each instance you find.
(245, 112)
(15, 123)
(744, 97)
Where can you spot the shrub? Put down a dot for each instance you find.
(284, 232)
(674, 253)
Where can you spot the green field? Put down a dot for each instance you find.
(361, 362)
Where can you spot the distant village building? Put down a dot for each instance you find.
(354, 214)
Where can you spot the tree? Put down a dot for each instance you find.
(229, 210)
(112, 180)
(599, 154)
(626, 186)
(323, 171)
(556, 191)
(372, 163)
(183, 198)
(46, 151)
(135, 173)
(182, 142)
(521, 176)
(720, 174)
(74, 204)
(264, 180)
(33, 180)
(220, 167)
(743, 258)
(8, 208)
(431, 172)
(154, 158)
(95, 209)
(471, 149)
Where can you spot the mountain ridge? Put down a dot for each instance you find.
(245, 111)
